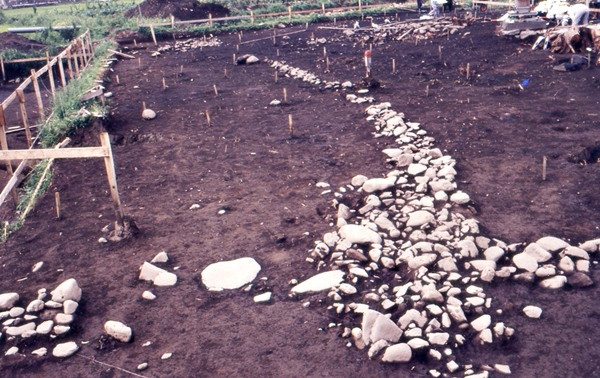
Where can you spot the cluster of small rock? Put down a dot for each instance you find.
(42, 316)
(156, 275)
(422, 29)
(414, 267)
(190, 44)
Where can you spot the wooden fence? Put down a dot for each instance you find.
(70, 62)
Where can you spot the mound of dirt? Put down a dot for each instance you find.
(10, 41)
(180, 9)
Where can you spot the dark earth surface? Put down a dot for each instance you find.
(180, 9)
(246, 162)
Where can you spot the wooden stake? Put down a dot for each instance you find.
(2, 64)
(118, 81)
(237, 48)
(225, 72)
(251, 18)
(215, 88)
(359, 6)
(208, 118)
(324, 51)
(164, 84)
(284, 94)
(290, 125)
(57, 201)
(327, 64)
(323, 8)
(277, 52)
(440, 51)
(76, 63)
(290, 14)
(589, 59)
(233, 58)
(427, 91)
(69, 65)
(143, 105)
(468, 70)
(38, 95)
(61, 70)
(210, 20)
(139, 10)
(50, 75)
(83, 53)
(112, 177)
(153, 35)
(139, 62)
(181, 69)
(172, 22)
(393, 65)
(24, 117)
(275, 76)
(544, 161)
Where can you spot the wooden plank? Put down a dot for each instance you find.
(84, 50)
(121, 54)
(24, 116)
(38, 94)
(69, 65)
(69, 153)
(28, 60)
(4, 146)
(61, 69)
(91, 95)
(112, 176)
(2, 64)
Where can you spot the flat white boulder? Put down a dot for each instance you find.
(551, 243)
(538, 252)
(231, 274)
(165, 279)
(158, 276)
(320, 282)
(64, 350)
(161, 257)
(359, 234)
(7, 300)
(148, 114)
(555, 282)
(385, 329)
(533, 312)
(525, 261)
(481, 322)
(397, 353)
(419, 218)
(118, 331)
(262, 298)
(67, 290)
(376, 184)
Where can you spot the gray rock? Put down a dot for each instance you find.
(425, 259)
(63, 319)
(385, 329)
(17, 331)
(447, 264)
(35, 306)
(482, 322)
(438, 338)
(70, 306)
(148, 114)
(566, 264)
(460, 198)
(493, 253)
(358, 180)
(576, 252)
(45, 327)
(525, 261)
(579, 279)
(161, 257)
(376, 184)
(533, 312)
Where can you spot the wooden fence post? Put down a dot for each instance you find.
(38, 95)
(112, 176)
(50, 75)
(61, 70)
(2, 64)
(69, 65)
(4, 146)
(24, 117)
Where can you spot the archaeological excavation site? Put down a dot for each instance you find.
(342, 190)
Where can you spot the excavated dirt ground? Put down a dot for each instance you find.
(246, 162)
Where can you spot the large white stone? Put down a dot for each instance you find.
(7, 300)
(538, 252)
(525, 261)
(165, 279)
(45, 327)
(417, 343)
(161, 257)
(555, 282)
(425, 259)
(359, 234)
(148, 114)
(67, 290)
(438, 338)
(416, 169)
(18, 331)
(551, 243)
(481, 322)
(35, 306)
(419, 218)
(397, 353)
(320, 282)
(230, 274)
(375, 184)
(385, 329)
(576, 252)
(64, 350)
(493, 253)
(460, 198)
(533, 312)
(118, 330)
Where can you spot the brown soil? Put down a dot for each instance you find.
(11, 41)
(247, 163)
(180, 9)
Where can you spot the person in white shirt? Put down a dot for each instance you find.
(579, 14)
